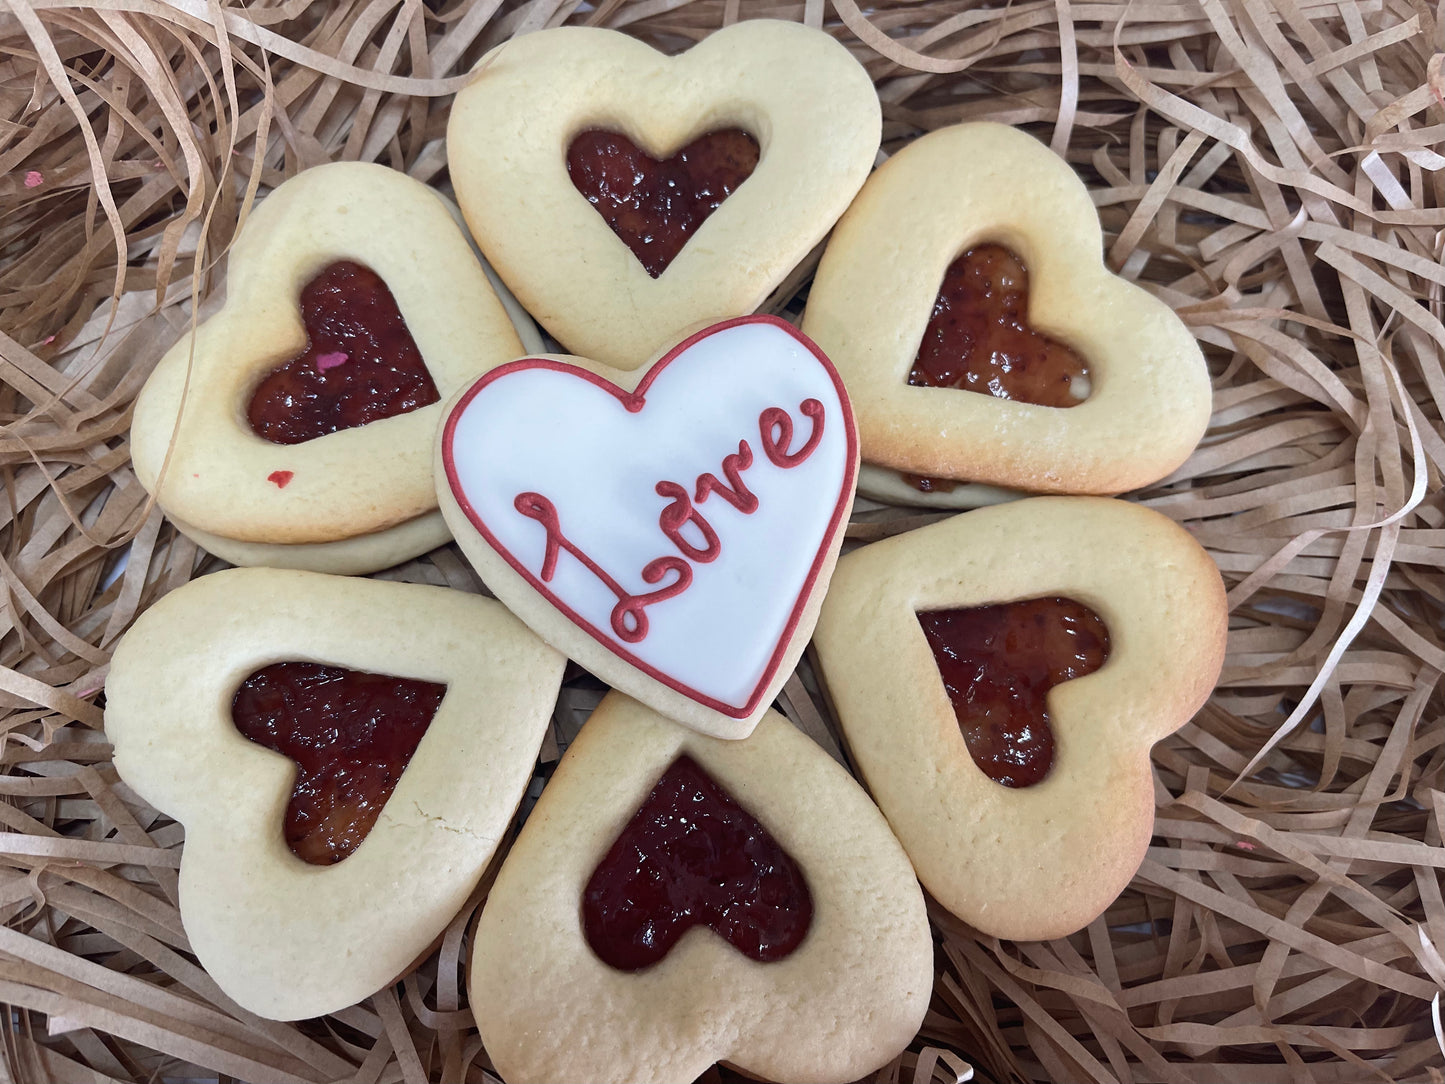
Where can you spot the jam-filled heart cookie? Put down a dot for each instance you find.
(892, 487)
(1000, 678)
(627, 196)
(671, 530)
(674, 900)
(345, 755)
(965, 301)
(295, 426)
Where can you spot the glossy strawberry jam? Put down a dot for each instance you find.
(999, 662)
(360, 363)
(653, 204)
(351, 735)
(692, 856)
(979, 338)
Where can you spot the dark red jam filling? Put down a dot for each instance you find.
(351, 735)
(998, 662)
(979, 339)
(360, 364)
(692, 856)
(925, 484)
(656, 205)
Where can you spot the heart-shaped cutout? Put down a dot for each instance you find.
(360, 363)
(811, 107)
(979, 338)
(848, 997)
(998, 664)
(655, 205)
(351, 735)
(1041, 861)
(972, 185)
(282, 937)
(691, 856)
(674, 538)
(348, 499)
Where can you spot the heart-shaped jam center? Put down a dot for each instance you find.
(656, 205)
(979, 338)
(360, 364)
(999, 662)
(692, 856)
(351, 735)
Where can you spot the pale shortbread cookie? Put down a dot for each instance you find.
(1036, 862)
(890, 487)
(371, 552)
(283, 938)
(809, 104)
(357, 556)
(847, 1000)
(593, 448)
(874, 293)
(357, 482)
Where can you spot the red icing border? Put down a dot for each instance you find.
(633, 402)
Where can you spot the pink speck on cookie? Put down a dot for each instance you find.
(282, 478)
(34, 179)
(331, 361)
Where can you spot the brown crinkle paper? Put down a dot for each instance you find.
(1272, 168)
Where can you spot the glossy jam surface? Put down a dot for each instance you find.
(360, 364)
(656, 205)
(998, 662)
(979, 339)
(692, 856)
(351, 735)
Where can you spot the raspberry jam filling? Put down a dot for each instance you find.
(653, 204)
(692, 856)
(351, 734)
(979, 339)
(360, 364)
(999, 662)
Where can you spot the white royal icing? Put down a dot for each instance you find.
(549, 432)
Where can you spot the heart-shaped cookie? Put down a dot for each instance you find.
(956, 196)
(343, 278)
(892, 487)
(671, 531)
(804, 952)
(390, 818)
(808, 105)
(904, 637)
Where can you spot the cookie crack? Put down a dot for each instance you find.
(442, 823)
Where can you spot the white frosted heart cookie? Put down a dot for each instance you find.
(296, 425)
(673, 529)
(1000, 677)
(563, 132)
(965, 301)
(674, 900)
(345, 755)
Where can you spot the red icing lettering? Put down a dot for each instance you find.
(735, 492)
(629, 616)
(281, 478)
(629, 606)
(635, 606)
(776, 419)
(677, 515)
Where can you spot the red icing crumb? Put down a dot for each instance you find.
(281, 477)
(34, 179)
